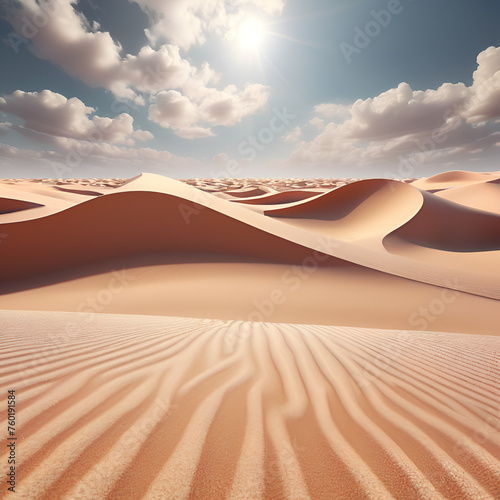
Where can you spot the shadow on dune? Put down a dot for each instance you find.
(10, 205)
(444, 225)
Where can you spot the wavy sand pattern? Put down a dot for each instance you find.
(167, 408)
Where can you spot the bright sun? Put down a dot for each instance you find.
(251, 33)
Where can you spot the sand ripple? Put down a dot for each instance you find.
(117, 406)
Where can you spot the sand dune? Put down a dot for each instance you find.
(126, 223)
(9, 205)
(453, 179)
(250, 192)
(278, 198)
(355, 211)
(85, 192)
(479, 195)
(446, 225)
(122, 224)
(339, 203)
(148, 407)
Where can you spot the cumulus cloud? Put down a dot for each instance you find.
(189, 22)
(448, 122)
(485, 104)
(317, 122)
(5, 128)
(48, 115)
(215, 107)
(68, 40)
(402, 111)
(294, 136)
(332, 110)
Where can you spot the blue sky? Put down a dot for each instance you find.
(248, 88)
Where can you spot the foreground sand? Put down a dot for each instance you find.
(117, 406)
(214, 339)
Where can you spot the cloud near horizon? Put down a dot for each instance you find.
(401, 122)
(52, 116)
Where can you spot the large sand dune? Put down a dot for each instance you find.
(155, 214)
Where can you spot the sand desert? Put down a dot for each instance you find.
(249, 250)
(252, 338)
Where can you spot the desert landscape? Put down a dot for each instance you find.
(249, 250)
(252, 338)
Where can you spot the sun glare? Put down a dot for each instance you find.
(251, 33)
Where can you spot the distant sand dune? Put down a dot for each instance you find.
(341, 202)
(480, 195)
(86, 192)
(147, 407)
(249, 192)
(363, 209)
(278, 198)
(9, 205)
(453, 179)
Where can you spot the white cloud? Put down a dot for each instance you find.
(5, 127)
(215, 107)
(66, 38)
(332, 110)
(194, 132)
(189, 22)
(451, 121)
(172, 109)
(294, 136)
(486, 87)
(228, 107)
(317, 122)
(402, 111)
(47, 115)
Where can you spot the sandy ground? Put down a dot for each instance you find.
(117, 406)
(256, 338)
